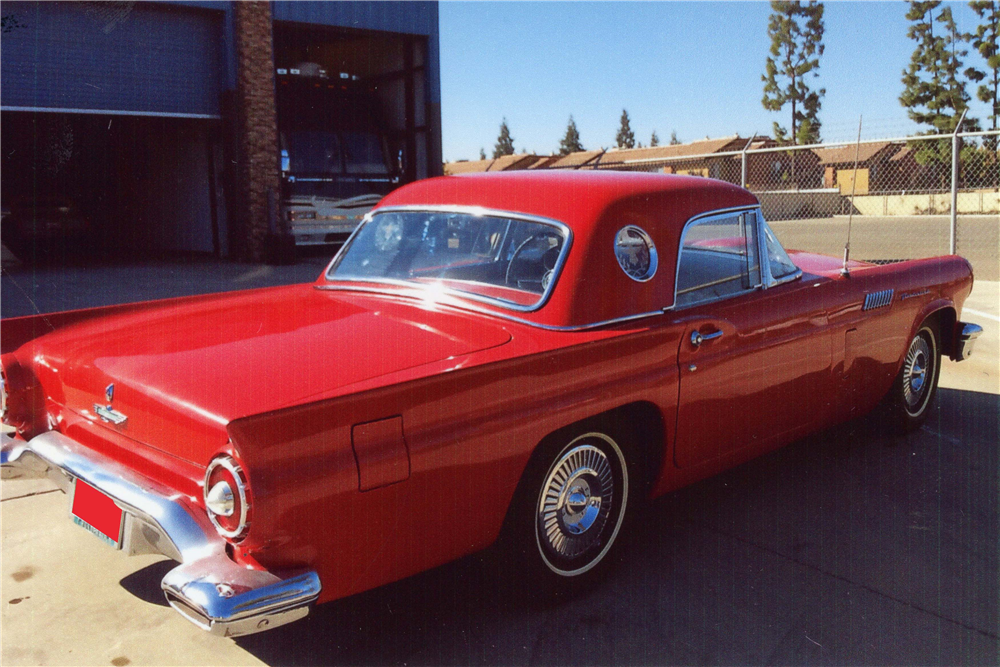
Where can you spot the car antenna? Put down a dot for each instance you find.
(844, 271)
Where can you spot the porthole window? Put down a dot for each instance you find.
(636, 253)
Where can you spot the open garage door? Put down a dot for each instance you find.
(108, 184)
(393, 64)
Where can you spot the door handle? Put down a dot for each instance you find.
(697, 338)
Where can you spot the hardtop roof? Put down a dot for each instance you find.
(595, 205)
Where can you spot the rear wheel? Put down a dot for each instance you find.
(913, 392)
(569, 509)
(581, 505)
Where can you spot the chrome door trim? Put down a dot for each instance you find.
(462, 305)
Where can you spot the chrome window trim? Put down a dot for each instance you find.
(654, 261)
(703, 217)
(765, 258)
(476, 211)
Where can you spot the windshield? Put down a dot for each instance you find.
(363, 153)
(313, 152)
(509, 261)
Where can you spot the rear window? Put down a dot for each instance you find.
(509, 261)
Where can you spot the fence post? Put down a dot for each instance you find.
(743, 162)
(954, 185)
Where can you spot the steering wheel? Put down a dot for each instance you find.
(547, 258)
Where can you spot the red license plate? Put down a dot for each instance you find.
(97, 513)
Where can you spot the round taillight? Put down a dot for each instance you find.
(226, 497)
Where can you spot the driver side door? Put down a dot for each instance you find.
(754, 358)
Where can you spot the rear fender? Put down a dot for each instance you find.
(17, 331)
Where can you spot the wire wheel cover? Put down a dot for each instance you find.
(917, 373)
(575, 502)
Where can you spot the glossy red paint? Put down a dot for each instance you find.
(384, 429)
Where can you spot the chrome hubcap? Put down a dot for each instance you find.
(575, 502)
(915, 370)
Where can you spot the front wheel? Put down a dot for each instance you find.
(916, 385)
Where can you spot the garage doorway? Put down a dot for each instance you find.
(110, 186)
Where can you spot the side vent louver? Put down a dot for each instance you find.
(878, 299)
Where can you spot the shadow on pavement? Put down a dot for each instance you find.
(847, 547)
(145, 583)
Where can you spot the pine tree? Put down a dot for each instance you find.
(625, 137)
(654, 140)
(674, 141)
(934, 94)
(796, 32)
(482, 154)
(984, 41)
(505, 142)
(571, 141)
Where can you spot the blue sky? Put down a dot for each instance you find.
(693, 67)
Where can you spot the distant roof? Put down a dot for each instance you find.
(865, 152)
(577, 159)
(505, 163)
(901, 154)
(693, 148)
(545, 161)
(623, 155)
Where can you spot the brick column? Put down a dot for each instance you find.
(257, 170)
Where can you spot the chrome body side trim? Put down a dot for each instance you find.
(476, 211)
(879, 299)
(912, 295)
(208, 588)
(420, 295)
(966, 340)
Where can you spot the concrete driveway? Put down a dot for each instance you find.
(849, 547)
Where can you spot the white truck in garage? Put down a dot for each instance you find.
(337, 159)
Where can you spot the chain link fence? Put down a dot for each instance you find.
(909, 197)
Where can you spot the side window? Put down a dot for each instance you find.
(718, 259)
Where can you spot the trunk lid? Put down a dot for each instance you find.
(184, 369)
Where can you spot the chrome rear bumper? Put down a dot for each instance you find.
(208, 588)
(966, 334)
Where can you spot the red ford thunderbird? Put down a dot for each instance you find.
(515, 356)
